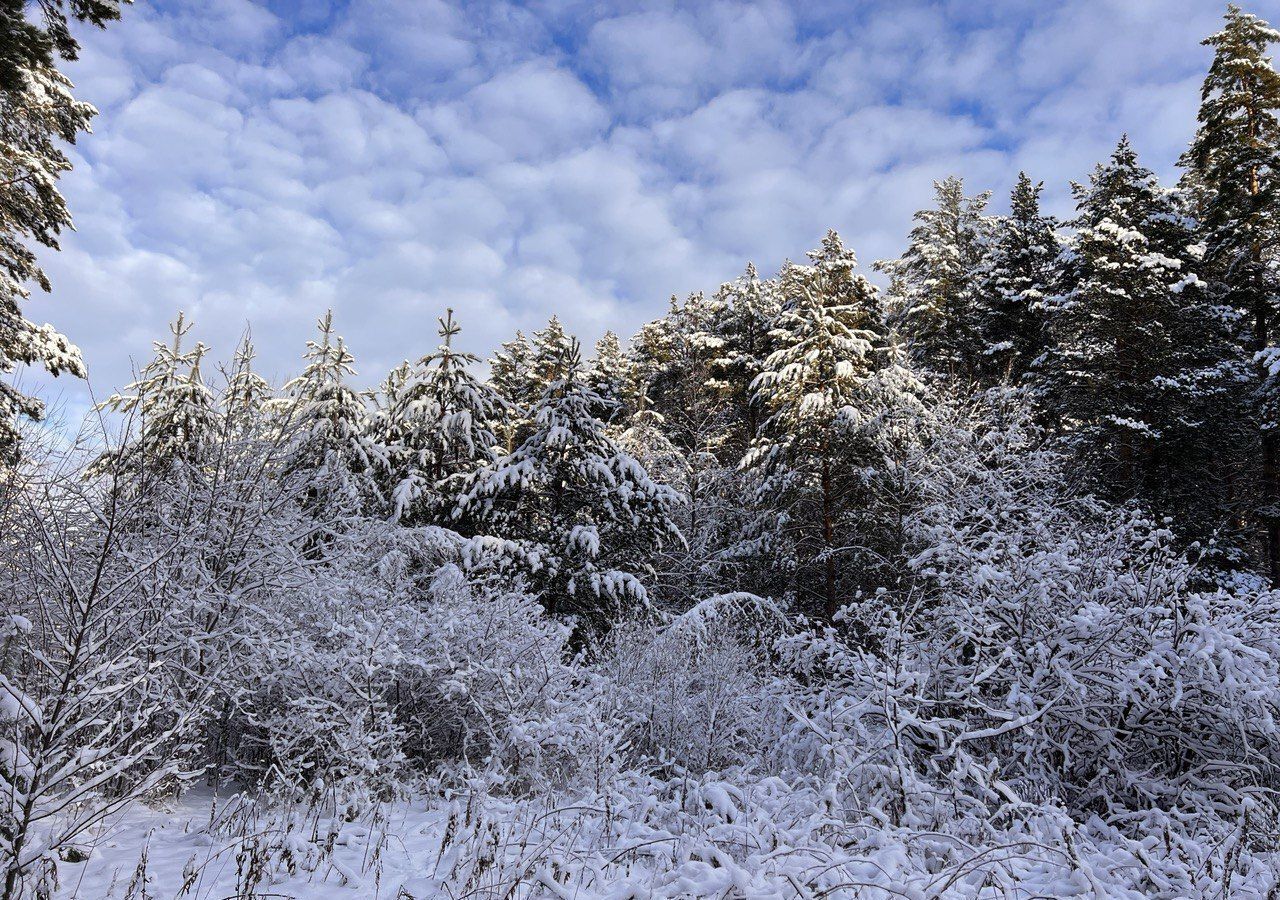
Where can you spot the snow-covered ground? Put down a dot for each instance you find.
(203, 846)
(641, 838)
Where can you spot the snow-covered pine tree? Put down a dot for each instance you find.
(246, 395)
(1233, 168)
(174, 412)
(391, 428)
(934, 284)
(443, 428)
(551, 348)
(611, 374)
(813, 390)
(1139, 356)
(1016, 275)
(38, 116)
(325, 420)
(521, 371)
(588, 514)
(676, 366)
(749, 306)
(511, 374)
(26, 45)
(653, 351)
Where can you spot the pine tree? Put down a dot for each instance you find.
(654, 349)
(1233, 164)
(331, 451)
(551, 347)
(934, 284)
(812, 389)
(247, 394)
(175, 411)
(443, 428)
(38, 115)
(589, 515)
(1138, 352)
(749, 307)
(511, 374)
(612, 376)
(27, 45)
(1015, 277)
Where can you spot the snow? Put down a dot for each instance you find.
(691, 837)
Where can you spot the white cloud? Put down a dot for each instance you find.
(391, 157)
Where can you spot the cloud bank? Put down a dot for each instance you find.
(259, 162)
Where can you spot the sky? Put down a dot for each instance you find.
(255, 163)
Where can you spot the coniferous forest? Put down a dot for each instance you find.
(955, 574)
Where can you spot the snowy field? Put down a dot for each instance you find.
(695, 838)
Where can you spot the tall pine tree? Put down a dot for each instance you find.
(1137, 361)
(325, 420)
(444, 426)
(1016, 275)
(934, 284)
(174, 411)
(1233, 163)
(612, 376)
(811, 389)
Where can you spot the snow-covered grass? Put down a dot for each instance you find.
(715, 835)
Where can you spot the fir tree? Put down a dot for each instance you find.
(1015, 277)
(1233, 164)
(247, 393)
(612, 376)
(749, 307)
(511, 374)
(331, 451)
(38, 116)
(1137, 359)
(654, 349)
(812, 389)
(175, 411)
(26, 46)
(551, 348)
(934, 285)
(443, 427)
(588, 513)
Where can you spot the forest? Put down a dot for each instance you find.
(952, 575)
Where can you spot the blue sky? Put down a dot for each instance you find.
(261, 161)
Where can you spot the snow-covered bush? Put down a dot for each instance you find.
(493, 687)
(699, 691)
(1047, 649)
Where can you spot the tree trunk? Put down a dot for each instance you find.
(828, 539)
(1271, 498)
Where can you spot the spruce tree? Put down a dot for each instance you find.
(1138, 350)
(38, 117)
(654, 349)
(245, 398)
(934, 284)
(511, 374)
(1016, 275)
(1233, 163)
(612, 376)
(30, 45)
(587, 514)
(749, 307)
(812, 390)
(174, 411)
(331, 450)
(551, 348)
(444, 428)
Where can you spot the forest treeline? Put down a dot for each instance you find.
(989, 552)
